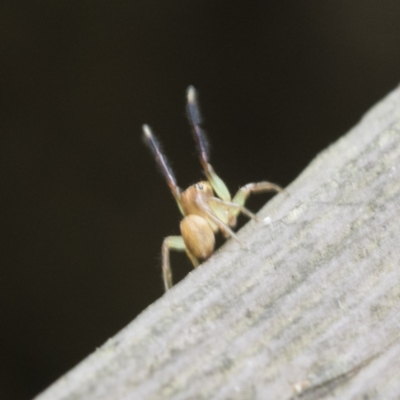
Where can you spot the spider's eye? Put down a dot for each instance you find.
(199, 186)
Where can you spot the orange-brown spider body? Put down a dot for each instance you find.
(198, 236)
(196, 228)
(207, 206)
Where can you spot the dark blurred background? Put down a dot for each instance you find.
(84, 209)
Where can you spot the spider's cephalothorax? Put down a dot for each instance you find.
(207, 206)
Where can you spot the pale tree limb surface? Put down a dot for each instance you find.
(310, 310)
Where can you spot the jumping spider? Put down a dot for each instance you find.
(204, 213)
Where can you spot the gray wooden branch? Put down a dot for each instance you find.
(310, 310)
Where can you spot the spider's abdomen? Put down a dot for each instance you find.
(198, 236)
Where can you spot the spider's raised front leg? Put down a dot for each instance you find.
(200, 138)
(161, 160)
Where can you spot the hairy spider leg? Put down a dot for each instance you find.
(224, 209)
(173, 243)
(166, 170)
(194, 116)
(244, 192)
(170, 243)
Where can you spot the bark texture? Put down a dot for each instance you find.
(310, 310)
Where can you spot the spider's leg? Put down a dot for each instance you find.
(193, 259)
(225, 229)
(173, 243)
(200, 138)
(229, 210)
(252, 188)
(166, 170)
